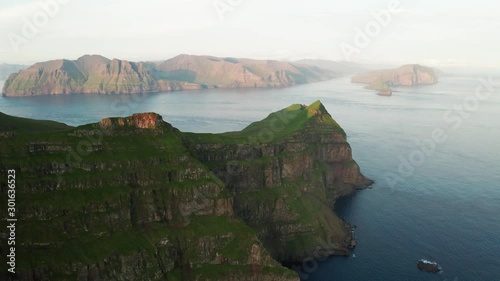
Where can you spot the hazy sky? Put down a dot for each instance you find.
(424, 31)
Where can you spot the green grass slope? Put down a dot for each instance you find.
(277, 126)
(24, 125)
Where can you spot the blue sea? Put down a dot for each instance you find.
(433, 151)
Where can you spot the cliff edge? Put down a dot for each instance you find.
(135, 199)
(284, 173)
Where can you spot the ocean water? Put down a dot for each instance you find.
(436, 198)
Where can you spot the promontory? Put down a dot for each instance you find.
(134, 198)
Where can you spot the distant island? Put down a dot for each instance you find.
(7, 69)
(407, 75)
(136, 199)
(340, 68)
(95, 74)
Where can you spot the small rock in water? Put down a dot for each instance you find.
(428, 266)
(386, 93)
(352, 244)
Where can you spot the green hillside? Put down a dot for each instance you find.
(25, 125)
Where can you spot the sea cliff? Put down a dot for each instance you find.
(136, 199)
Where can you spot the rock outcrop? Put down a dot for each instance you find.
(139, 121)
(136, 199)
(428, 266)
(94, 74)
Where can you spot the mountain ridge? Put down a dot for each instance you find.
(95, 74)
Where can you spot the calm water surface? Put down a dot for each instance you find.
(447, 209)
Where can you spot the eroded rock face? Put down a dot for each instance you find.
(139, 121)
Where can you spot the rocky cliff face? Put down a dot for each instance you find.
(135, 199)
(151, 121)
(99, 75)
(124, 200)
(407, 75)
(88, 74)
(284, 186)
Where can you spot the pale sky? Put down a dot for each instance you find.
(423, 31)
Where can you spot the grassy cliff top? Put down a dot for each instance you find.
(24, 125)
(279, 125)
(276, 126)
